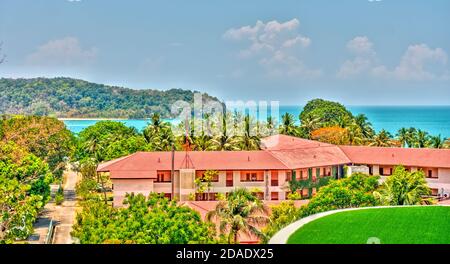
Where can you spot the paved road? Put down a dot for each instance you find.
(66, 212)
(63, 215)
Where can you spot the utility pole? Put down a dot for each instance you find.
(172, 171)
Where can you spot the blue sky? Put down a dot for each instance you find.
(359, 52)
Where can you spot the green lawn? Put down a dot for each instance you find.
(402, 225)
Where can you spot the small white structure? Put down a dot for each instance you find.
(357, 169)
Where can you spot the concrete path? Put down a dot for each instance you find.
(66, 212)
(63, 216)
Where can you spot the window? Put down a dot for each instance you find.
(168, 195)
(430, 174)
(274, 178)
(229, 181)
(163, 176)
(288, 176)
(381, 171)
(274, 196)
(390, 171)
(252, 176)
(199, 174)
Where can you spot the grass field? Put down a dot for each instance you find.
(402, 225)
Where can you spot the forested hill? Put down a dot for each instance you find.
(67, 97)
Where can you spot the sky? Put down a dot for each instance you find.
(358, 52)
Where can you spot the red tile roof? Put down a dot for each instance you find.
(437, 158)
(298, 153)
(279, 152)
(143, 163)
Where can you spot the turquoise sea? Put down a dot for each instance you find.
(433, 119)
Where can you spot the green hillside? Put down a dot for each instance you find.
(67, 97)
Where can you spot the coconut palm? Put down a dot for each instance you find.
(309, 124)
(288, 126)
(437, 142)
(222, 140)
(240, 212)
(382, 139)
(366, 127)
(355, 134)
(404, 137)
(404, 188)
(249, 140)
(422, 138)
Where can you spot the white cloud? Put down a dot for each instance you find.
(419, 62)
(275, 45)
(361, 45)
(62, 52)
(72, 1)
(363, 61)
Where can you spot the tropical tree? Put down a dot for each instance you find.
(333, 135)
(437, 142)
(249, 140)
(281, 215)
(204, 183)
(382, 139)
(422, 138)
(363, 123)
(152, 220)
(224, 141)
(159, 134)
(308, 125)
(240, 212)
(404, 188)
(46, 137)
(404, 136)
(24, 188)
(354, 191)
(288, 126)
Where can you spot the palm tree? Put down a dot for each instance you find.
(308, 125)
(355, 134)
(202, 142)
(366, 127)
(288, 126)
(437, 142)
(421, 139)
(224, 141)
(404, 188)
(382, 139)
(240, 212)
(159, 134)
(404, 136)
(249, 140)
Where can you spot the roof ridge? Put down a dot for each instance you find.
(120, 159)
(282, 162)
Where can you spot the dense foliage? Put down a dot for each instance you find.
(354, 191)
(24, 189)
(107, 140)
(67, 97)
(240, 212)
(154, 220)
(326, 113)
(45, 137)
(281, 215)
(404, 188)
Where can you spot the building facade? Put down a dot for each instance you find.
(266, 172)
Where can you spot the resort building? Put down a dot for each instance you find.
(268, 171)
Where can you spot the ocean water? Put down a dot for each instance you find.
(433, 119)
